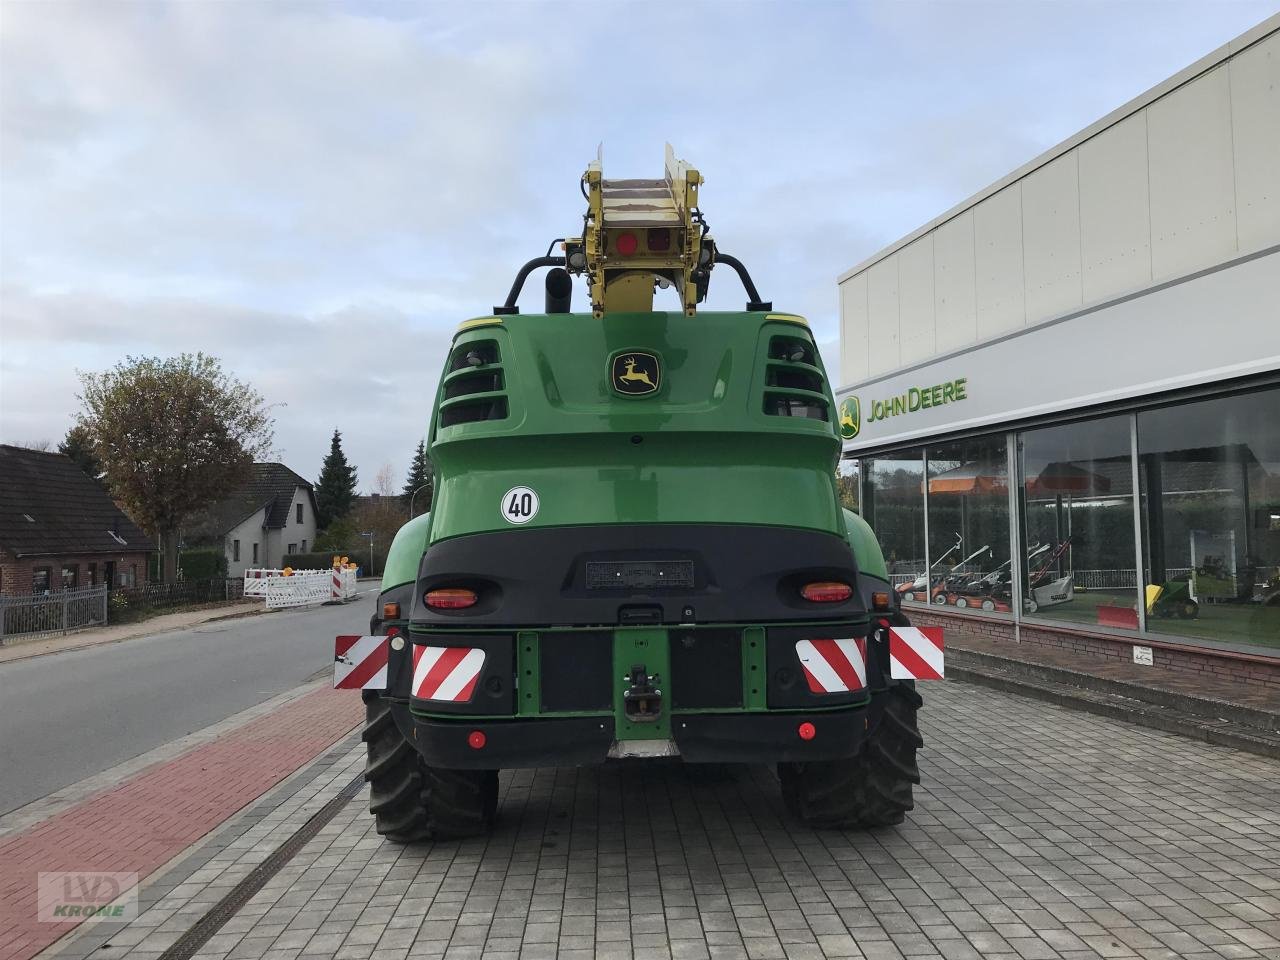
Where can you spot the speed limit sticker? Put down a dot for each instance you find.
(519, 505)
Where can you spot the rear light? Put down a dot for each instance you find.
(626, 244)
(807, 731)
(450, 598)
(826, 592)
(476, 740)
(879, 601)
(391, 610)
(658, 240)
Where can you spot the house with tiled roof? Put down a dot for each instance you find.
(271, 515)
(59, 529)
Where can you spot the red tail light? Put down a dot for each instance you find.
(626, 244)
(476, 739)
(807, 731)
(450, 598)
(826, 592)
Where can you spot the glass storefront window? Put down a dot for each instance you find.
(893, 503)
(1077, 511)
(1209, 474)
(969, 525)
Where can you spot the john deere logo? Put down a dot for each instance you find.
(850, 418)
(636, 374)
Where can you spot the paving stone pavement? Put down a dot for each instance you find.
(1038, 833)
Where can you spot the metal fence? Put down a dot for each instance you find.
(128, 603)
(52, 612)
(66, 610)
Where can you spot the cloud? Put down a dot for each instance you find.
(318, 193)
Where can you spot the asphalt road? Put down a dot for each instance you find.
(67, 716)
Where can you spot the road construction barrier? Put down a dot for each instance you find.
(342, 584)
(302, 588)
(255, 580)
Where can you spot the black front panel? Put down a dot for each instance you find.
(495, 688)
(577, 671)
(672, 573)
(787, 684)
(706, 669)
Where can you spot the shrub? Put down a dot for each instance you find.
(203, 563)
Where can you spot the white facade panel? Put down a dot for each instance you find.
(1193, 220)
(1212, 327)
(1051, 238)
(1180, 180)
(1115, 212)
(301, 532)
(250, 533)
(915, 300)
(882, 309)
(854, 340)
(954, 296)
(997, 244)
(1255, 121)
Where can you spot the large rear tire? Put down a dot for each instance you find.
(412, 801)
(871, 789)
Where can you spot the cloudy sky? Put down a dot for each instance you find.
(318, 192)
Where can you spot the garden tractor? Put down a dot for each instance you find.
(635, 548)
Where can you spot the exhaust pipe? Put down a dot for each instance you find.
(559, 291)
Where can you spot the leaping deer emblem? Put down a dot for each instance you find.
(849, 419)
(633, 375)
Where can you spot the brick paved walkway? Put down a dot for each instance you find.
(1040, 832)
(145, 821)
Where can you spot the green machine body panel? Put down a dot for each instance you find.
(700, 448)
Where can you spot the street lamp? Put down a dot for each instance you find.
(369, 534)
(414, 494)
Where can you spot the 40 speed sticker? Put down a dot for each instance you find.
(519, 505)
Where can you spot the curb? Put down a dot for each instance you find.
(1223, 732)
(1198, 704)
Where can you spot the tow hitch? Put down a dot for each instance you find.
(642, 703)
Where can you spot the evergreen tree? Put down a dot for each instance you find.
(419, 479)
(336, 488)
(78, 445)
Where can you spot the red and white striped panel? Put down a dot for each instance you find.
(834, 666)
(446, 673)
(915, 653)
(360, 663)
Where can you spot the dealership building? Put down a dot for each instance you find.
(1062, 396)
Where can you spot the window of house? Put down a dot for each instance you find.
(91, 578)
(969, 524)
(1076, 484)
(892, 502)
(255, 554)
(299, 510)
(40, 577)
(293, 548)
(70, 576)
(304, 546)
(235, 551)
(1209, 483)
(133, 575)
